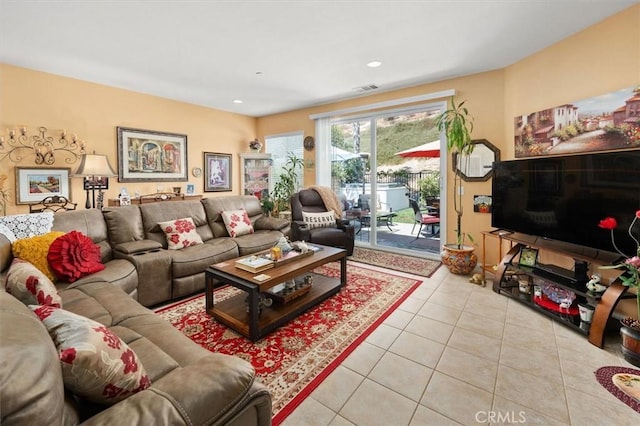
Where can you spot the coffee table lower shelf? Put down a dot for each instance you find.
(233, 313)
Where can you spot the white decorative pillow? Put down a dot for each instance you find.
(237, 222)
(96, 364)
(319, 220)
(180, 233)
(29, 285)
(28, 225)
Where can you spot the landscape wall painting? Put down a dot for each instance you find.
(602, 123)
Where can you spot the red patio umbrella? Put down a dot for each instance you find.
(427, 150)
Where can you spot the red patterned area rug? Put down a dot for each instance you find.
(623, 383)
(293, 360)
(397, 262)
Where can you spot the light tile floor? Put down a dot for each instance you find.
(456, 353)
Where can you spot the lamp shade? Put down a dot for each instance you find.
(94, 165)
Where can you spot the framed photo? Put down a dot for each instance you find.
(149, 156)
(217, 172)
(191, 189)
(35, 183)
(528, 256)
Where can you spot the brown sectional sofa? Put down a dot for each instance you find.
(189, 385)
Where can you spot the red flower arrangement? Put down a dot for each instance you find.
(631, 278)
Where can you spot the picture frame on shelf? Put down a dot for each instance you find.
(528, 257)
(191, 189)
(35, 183)
(217, 172)
(151, 156)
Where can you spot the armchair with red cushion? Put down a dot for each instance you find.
(339, 233)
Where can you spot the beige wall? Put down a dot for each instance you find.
(600, 59)
(94, 111)
(603, 58)
(484, 93)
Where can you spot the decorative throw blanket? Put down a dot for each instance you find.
(329, 199)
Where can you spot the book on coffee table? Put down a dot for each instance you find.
(254, 263)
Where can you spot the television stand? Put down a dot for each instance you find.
(576, 276)
(509, 275)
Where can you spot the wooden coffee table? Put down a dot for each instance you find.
(242, 312)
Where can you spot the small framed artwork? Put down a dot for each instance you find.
(217, 172)
(150, 156)
(528, 256)
(482, 203)
(191, 189)
(33, 184)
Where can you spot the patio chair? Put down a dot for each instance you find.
(423, 219)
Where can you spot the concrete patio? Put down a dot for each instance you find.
(401, 236)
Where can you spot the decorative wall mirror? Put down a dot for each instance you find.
(480, 161)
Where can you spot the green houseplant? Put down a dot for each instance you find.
(287, 183)
(630, 329)
(457, 124)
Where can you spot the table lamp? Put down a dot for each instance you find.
(94, 166)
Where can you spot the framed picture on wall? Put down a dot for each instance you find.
(217, 172)
(33, 184)
(150, 156)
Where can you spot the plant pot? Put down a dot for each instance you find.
(630, 344)
(460, 261)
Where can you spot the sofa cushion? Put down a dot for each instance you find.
(237, 222)
(35, 250)
(96, 364)
(180, 233)
(32, 388)
(73, 256)
(29, 285)
(91, 223)
(319, 220)
(154, 213)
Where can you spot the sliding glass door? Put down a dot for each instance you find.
(379, 162)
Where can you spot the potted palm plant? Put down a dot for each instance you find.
(287, 183)
(457, 124)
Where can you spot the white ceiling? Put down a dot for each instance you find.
(308, 52)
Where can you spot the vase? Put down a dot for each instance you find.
(630, 345)
(460, 261)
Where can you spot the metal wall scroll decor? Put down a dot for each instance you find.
(45, 148)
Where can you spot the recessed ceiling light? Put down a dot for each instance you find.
(237, 101)
(374, 64)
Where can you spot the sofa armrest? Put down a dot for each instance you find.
(270, 224)
(131, 247)
(300, 231)
(219, 393)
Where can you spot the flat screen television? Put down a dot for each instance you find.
(564, 198)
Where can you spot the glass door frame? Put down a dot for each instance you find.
(373, 117)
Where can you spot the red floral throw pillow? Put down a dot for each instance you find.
(96, 363)
(73, 256)
(237, 222)
(29, 285)
(180, 233)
